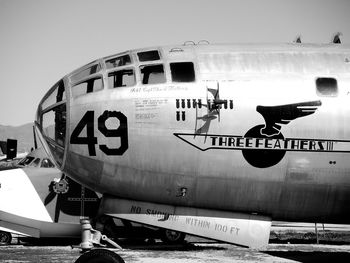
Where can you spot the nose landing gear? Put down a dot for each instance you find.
(91, 237)
(100, 256)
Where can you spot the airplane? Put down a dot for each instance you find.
(48, 206)
(39, 201)
(210, 140)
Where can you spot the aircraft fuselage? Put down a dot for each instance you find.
(253, 129)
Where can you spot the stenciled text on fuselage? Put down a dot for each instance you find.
(289, 144)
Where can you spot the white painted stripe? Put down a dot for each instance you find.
(19, 197)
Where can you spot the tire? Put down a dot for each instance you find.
(5, 238)
(100, 256)
(172, 237)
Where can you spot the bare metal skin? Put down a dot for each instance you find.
(246, 128)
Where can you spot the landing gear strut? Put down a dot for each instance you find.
(91, 237)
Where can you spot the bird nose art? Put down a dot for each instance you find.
(50, 124)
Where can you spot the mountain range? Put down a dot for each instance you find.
(23, 134)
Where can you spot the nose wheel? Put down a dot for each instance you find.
(100, 256)
(90, 238)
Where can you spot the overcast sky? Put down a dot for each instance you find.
(42, 40)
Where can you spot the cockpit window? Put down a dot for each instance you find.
(26, 161)
(118, 61)
(85, 73)
(87, 86)
(58, 94)
(46, 163)
(54, 124)
(121, 78)
(152, 74)
(182, 72)
(151, 55)
(327, 87)
(51, 120)
(36, 162)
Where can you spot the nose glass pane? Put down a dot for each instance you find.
(54, 124)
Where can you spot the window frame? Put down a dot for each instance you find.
(75, 78)
(119, 70)
(175, 63)
(141, 75)
(106, 60)
(63, 116)
(26, 161)
(86, 80)
(36, 162)
(324, 89)
(142, 56)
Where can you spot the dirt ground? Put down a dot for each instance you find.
(193, 253)
(284, 247)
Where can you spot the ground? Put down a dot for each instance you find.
(286, 246)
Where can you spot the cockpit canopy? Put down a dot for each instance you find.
(37, 158)
(31, 161)
(51, 120)
(128, 69)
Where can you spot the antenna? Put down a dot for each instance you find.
(203, 41)
(189, 43)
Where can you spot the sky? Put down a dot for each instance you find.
(43, 40)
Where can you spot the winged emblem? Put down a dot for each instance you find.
(275, 116)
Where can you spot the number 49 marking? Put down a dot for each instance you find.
(90, 140)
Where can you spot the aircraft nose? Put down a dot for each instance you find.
(50, 122)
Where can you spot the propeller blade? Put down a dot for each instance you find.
(49, 197)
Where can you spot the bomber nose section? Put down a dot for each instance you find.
(51, 122)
